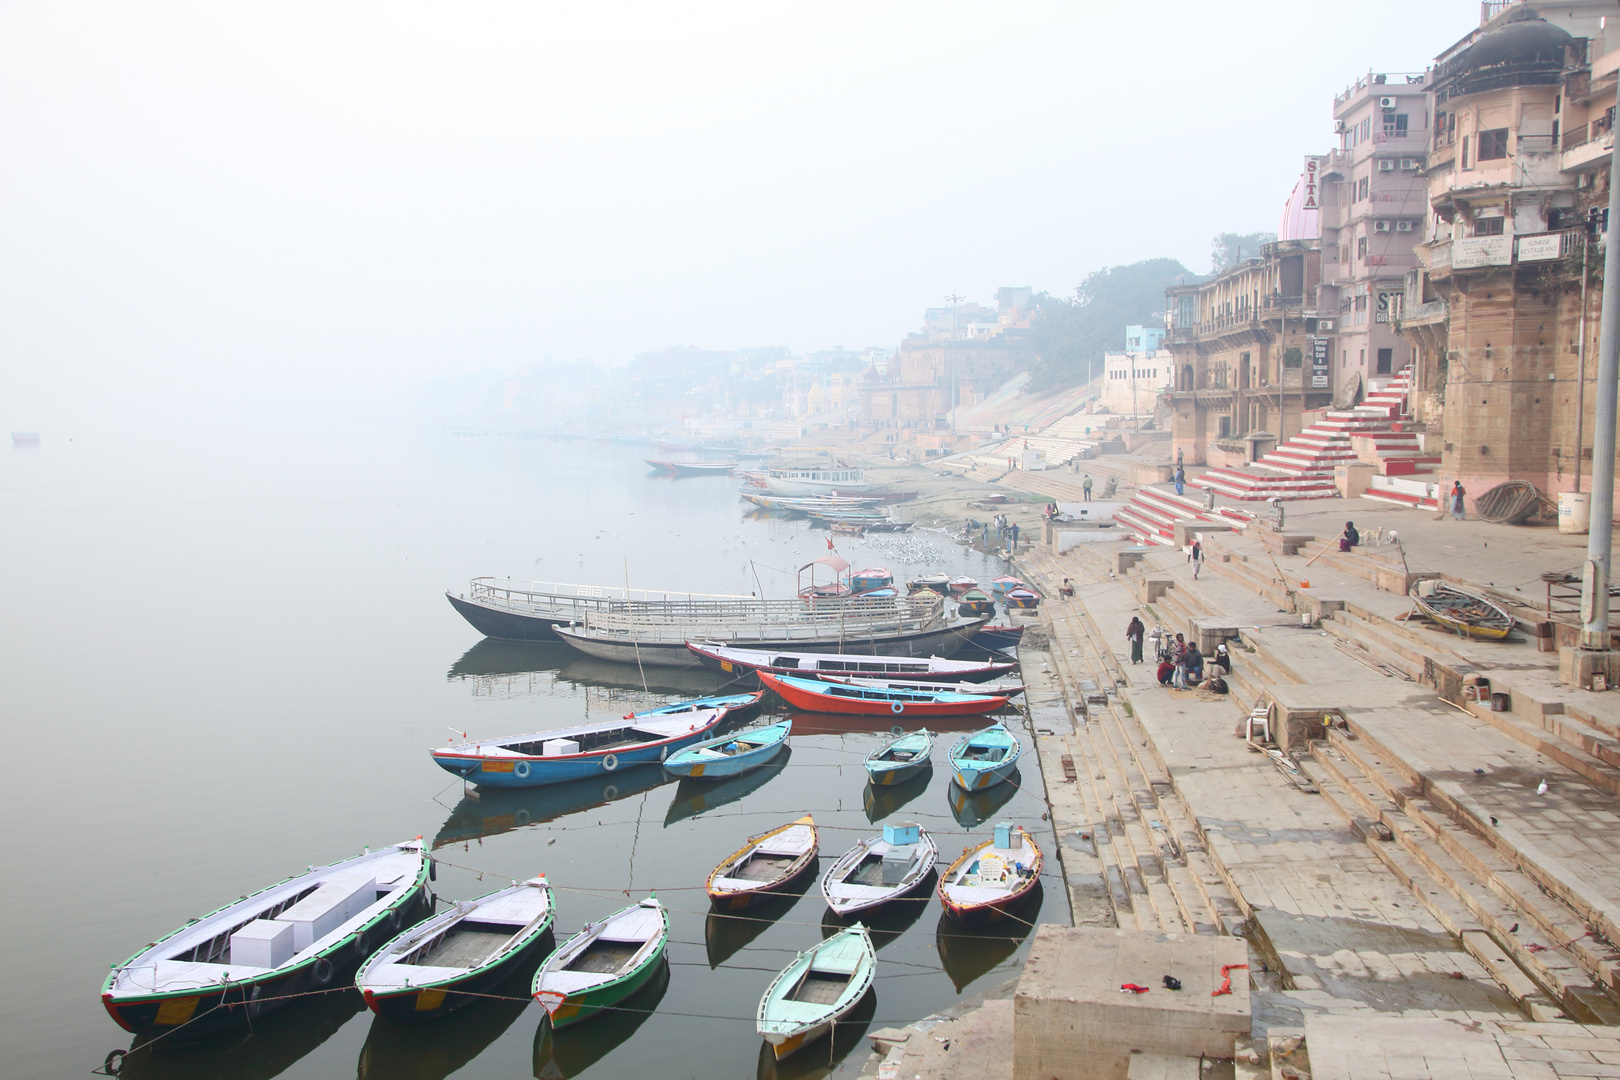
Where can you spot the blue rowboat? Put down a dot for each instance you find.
(898, 761)
(985, 758)
(731, 754)
(552, 757)
(816, 991)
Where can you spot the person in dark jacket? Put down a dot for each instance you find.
(1134, 634)
(1350, 537)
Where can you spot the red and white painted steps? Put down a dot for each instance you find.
(1153, 513)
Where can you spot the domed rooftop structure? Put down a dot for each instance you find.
(1522, 50)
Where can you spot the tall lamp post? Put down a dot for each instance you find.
(952, 300)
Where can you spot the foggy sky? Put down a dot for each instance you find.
(213, 203)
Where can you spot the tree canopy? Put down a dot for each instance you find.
(1068, 335)
(1228, 249)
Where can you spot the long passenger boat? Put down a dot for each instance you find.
(732, 660)
(817, 696)
(531, 610)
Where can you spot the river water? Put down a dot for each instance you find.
(224, 656)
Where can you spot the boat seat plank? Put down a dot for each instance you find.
(642, 924)
(569, 981)
(386, 975)
(518, 910)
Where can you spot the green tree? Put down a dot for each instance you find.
(1070, 336)
(1228, 249)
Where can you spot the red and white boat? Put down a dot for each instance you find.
(731, 661)
(844, 698)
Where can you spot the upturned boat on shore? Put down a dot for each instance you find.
(811, 994)
(457, 956)
(985, 758)
(1461, 611)
(763, 868)
(257, 953)
(880, 869)
(730, 755)
(817, 696)
(603, 964)
(733, 660)
(550, 757)
(900, 759)
(988, 880)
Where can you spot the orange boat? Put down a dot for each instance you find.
(815, 696)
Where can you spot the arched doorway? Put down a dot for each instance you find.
(1187, 377)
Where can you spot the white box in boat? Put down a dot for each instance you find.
(895, 863)
(328, 907)
(558, 748)
(266, 943)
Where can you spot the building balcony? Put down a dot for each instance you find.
(1588, 154)
(1536, 144)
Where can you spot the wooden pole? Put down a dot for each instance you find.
(1325, 547)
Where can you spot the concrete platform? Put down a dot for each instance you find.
(1073, 1021)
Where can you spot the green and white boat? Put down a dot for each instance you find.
(817, 990)
(603, 964)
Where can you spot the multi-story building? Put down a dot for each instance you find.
(1247, 362)
(1133, 379)
(1503, 309)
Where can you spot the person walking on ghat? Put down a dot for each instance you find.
(1086, 487)
(1015, 536)
(1134, 634)
(1178, 657)
(1196, 556)
(1181, 480)
(1457, 493)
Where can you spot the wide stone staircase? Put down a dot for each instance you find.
(1155, 510)
(1302, 467)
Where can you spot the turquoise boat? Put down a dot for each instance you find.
(898, 761)
(985, 758)
(817, 990)
(729, 755)
(603, 964)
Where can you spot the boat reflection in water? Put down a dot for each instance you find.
(574, 1049)
(277, 1042)
(435, 1049)
(888, 922)
(694, 797)
(499, 810)
(968, 955)
(880, 802)
(492, 657)
(973, 808)
(501, 667)
(818, 1059)
(725, 935)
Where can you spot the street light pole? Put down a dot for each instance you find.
(1595, 575)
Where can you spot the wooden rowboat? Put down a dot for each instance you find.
(811, 994)
(817, 696)
(762, 868)
(900, 760)
(985, 758)
(1004, 687)
(731, 754)
(990, 878)
(880, 869)
(457, 956)
(997, 637)
(1023, 597)
(975, 602)
(603, 964)
(1461, 611)
(960, 585)
(257, 953)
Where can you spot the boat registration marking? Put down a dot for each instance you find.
(428, 1000)
(176, 1010)
(725, 665)
(491, 765)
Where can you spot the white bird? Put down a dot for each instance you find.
(1541, 788)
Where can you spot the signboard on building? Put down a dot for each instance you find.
(1541, 247)
(1387, 305)
(1473, 251)
(1321, 354)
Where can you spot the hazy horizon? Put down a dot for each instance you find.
(205, 204)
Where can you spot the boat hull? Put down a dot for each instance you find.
(886, 774)
(997, 637)
(187, 1014)
(735, 765)
(981, 672)
(505, 625)
(577, 1008)
(991, 913)
(414, 1005)
(971, 779)
(944, 641)
(844, 706)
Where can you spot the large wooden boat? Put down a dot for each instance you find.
(996, 637)
(731, 755)
(1461, 611)
(257, 953)
(763, 868)
(817, 696)
(732, 660)
(532, 610)
(693, 468)
(603, 964)
(985, 758)
(900, 759)
(880, 869)
(988, 880)
(456, 957)
(813, 993)
(815, 481)
(561, 754)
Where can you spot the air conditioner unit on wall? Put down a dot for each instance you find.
(1324, 324)
(1405, 226)
(1380, 226)
(1386, 165)
(1386, 103)
(1409, 163)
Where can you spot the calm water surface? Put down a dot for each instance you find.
(223, 657)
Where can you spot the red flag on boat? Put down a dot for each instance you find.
(829, 544)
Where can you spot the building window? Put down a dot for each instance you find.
(1394, 125)
(1361, 247)
(1489, 226)
(1361, 189)
(1465, 151)
(1493, 144)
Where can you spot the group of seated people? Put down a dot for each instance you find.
(1184, 668)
